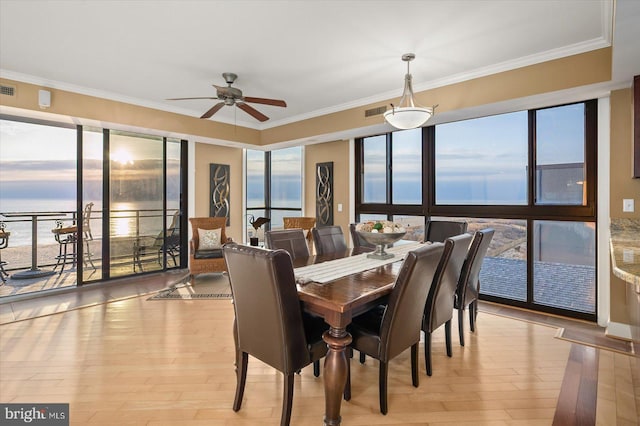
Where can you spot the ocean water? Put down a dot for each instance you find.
(128, 219)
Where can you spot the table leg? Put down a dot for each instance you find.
(34, 272)
(335, 372)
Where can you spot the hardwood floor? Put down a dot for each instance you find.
(140, 362)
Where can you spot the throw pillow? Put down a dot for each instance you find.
(209, 239)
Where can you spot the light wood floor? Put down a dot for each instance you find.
(140, 362)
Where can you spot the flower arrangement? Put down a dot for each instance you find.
(380, 227)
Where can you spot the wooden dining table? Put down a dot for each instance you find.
(338, 302)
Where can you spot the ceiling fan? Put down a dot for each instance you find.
(231, 96)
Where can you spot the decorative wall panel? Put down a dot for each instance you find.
(219, 198)
(324, 194)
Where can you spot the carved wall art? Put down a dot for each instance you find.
(324, 193)
(220, 175)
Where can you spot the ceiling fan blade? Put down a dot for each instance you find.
(184, 99)
(252, 111)
(265, 101)
(213, 110)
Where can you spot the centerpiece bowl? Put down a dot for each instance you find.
(380, 240)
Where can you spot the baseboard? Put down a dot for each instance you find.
(618, 330)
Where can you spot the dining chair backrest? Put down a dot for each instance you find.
(358, 241)
(440, 230)
(269, 322)
(468, 285)
(291, 240)
(329, 239)
(402, 319)
(439, 306)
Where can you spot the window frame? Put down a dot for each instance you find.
(530, 212)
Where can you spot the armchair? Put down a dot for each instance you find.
(205, 251)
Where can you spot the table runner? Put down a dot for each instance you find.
(334, 269)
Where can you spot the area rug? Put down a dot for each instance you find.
(206, 286)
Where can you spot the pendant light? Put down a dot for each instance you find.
(407, 115)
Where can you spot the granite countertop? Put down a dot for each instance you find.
(625, 249)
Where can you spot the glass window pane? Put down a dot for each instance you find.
(482, 161)
(406, 160)
(372, 217)
(504, 269)
(286, 178)
(414, 226)
(37, 174)
(136, 198)
(560, 141)
(374, 169)
(173, 213)
(564, 273)
(92, 146)
(255, 178)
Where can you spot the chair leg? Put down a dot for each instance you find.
(473, 313)
(447, 337)
(383, 387)
(415, 380)
(461, 325)
(427, 352)
(347, 386)
(64, 259)
(287, 400)
(316, 368)
(242, 358)
(363, 357)
(87, 256)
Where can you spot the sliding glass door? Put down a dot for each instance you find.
(85, 204)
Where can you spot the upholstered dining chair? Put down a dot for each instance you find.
(440, 230)
(329, 239)
(269, 322)
(388, 330)
(304, 223)
(291, 240)
(205, 251)
(358, 241)
(468, 289)
(439, 307)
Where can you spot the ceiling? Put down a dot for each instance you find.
(319, 56)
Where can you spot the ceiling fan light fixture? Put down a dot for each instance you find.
(407, 115)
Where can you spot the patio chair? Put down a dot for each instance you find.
(4, 243)
(161, 244)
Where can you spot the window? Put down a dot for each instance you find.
(530, 175)
(482, 161)
(274, 187)
(560, 155)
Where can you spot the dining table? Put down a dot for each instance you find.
(338, 301)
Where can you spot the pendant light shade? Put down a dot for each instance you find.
(407, 115)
